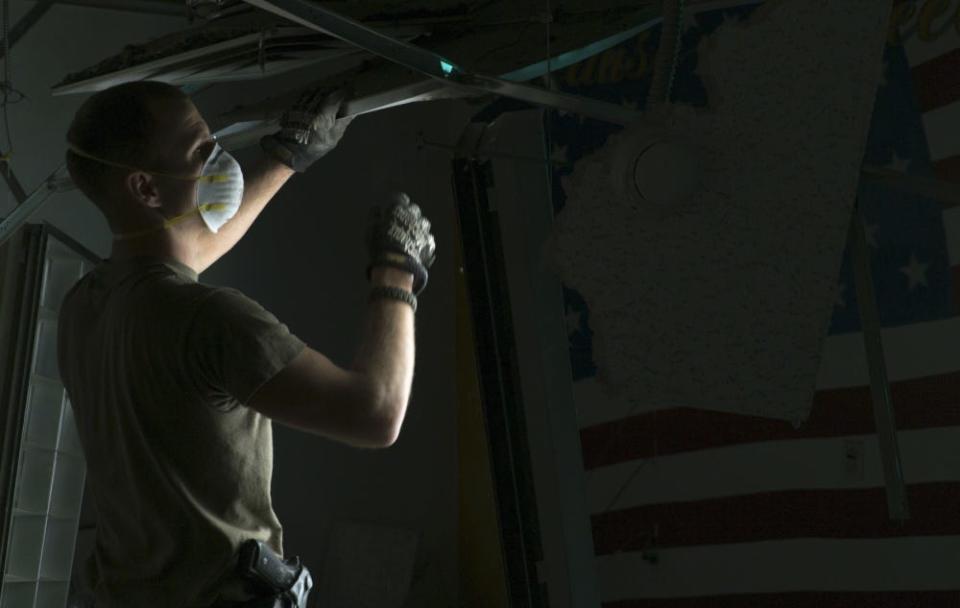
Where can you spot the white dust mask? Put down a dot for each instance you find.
(219, 190)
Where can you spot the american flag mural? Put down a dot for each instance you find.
(695, 508)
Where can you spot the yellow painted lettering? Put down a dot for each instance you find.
(611, 66)
(587, 76)
(639, 59)
(902, 14)
(930, 11)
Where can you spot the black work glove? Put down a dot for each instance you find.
(399, 236)
(309, 129)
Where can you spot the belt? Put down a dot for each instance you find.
(285, 583)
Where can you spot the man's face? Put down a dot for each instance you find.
(182, 145)
(185, 139)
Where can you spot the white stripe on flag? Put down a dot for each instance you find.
(945, 37)
(594, 406)
(927, 455)
(942, 127)
(912, 351)
(896, 564)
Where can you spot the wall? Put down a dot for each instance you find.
(691, 507)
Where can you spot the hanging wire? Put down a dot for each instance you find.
(668, 55)
(7, 88)
(676, 19)
(6, 79)
(547, 115)
(660, 94)
(676, 49)
(549, 74)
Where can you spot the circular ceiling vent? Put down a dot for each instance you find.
(659, 173)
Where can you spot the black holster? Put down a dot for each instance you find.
(283, 583)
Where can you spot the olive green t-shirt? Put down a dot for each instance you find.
(158, 368)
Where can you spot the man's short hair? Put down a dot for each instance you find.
(116, 124)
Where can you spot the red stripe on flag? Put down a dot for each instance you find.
(948, 169)
(919, 403)
(846, 513)
(810, 599)
(937, 82)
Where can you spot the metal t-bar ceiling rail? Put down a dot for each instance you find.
(12, 182)
(23, 26)
(58, 181)
(897, 506)
(249, 126)
(430, 64)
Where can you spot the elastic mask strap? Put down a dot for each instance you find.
(201, 178)
(80, 152)
(166, 224)
(216, 178)
(172, 221)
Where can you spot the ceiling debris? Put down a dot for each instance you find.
(488, 37)
(721, 300)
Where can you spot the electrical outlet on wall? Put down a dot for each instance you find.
(853, 459)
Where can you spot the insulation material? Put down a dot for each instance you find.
(722, 300)
(486, 37)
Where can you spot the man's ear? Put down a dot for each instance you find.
(143, 188)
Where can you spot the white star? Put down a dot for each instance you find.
(573, 322)
(898, 164)
(871, 231)
(916, 272)
(840, 300)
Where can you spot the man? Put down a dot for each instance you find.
(174, 383)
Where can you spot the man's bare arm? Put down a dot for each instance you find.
(387, 351)
(262, 181)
